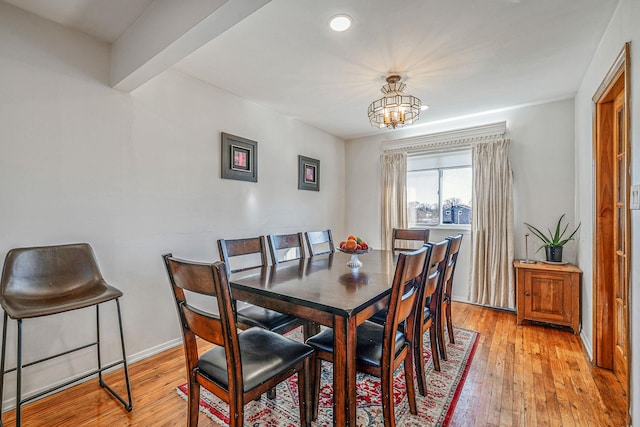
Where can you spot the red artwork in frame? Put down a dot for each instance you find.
(308, 173)
(239, 158)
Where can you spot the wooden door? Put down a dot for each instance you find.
(620, 279)
(611, 222)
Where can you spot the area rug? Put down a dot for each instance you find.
(435, 409)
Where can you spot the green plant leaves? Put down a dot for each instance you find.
(556, 238)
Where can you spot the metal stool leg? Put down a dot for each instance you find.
(124, 358)
(4, 348)
(19, 377)
(127, 405)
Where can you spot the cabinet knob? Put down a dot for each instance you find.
(527, 294)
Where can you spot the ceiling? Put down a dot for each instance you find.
(460, 57)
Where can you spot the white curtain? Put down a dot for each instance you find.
(492, 226)
(394, 195)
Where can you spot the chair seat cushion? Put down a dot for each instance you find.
(380, 317)
(90, 294)
(264, 318)
(369, 338)
(263, 354)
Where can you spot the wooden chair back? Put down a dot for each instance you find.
(320, 242)
(206, 280)
(401, 238)
(408, 281)
(276, 360)
(432, 293)
(452, 258)
(248, 253)
(428, 309)
(287, 243)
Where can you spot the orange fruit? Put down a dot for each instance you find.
(352, 237)
(350, 245)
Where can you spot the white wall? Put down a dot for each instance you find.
(542, 159)
(135, 175)
(622, 28)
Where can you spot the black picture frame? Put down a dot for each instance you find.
(308, 173)
(239, 158)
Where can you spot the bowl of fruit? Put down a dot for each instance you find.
(354, 246)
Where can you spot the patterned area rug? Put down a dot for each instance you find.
(435, 409)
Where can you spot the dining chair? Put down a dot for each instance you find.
(285, 244)
(241, 366)
(320, 242)
(401, 237)
(47, 280)
(380, 349)
(452, 258)
(252, 253)
(429, 309)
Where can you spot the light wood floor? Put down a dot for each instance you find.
(520, 376)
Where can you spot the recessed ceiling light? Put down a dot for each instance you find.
(340, 22)
(424, 107)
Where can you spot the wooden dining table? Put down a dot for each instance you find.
(325, 290)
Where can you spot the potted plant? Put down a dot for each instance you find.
(553, 242)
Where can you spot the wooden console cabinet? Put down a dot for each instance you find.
(548, 293)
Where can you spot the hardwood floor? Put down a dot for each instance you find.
(520, 376)
(532, 375)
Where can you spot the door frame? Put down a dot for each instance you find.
(617, 79)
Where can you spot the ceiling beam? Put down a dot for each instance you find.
(167, 31)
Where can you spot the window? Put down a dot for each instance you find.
(439, 188)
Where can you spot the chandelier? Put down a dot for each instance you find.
(395, 108)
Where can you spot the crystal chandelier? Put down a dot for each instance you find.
(395, 108)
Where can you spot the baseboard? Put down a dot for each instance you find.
(586, 344)
(465, 301)
(153, 351)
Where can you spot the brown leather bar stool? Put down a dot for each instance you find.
(47, 280)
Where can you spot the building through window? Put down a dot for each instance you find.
(439, 188)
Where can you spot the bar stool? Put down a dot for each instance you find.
(47, 280)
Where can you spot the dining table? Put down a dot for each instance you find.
(325, 290)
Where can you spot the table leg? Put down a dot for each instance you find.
(344, 372)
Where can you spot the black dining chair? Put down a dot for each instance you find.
(320, 242)
(241, 366)
(452, 259)
(380, 349)
(47, 280)
(429, 309)
(252, 253)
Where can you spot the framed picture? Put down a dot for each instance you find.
(239, 158)
(308, 173)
